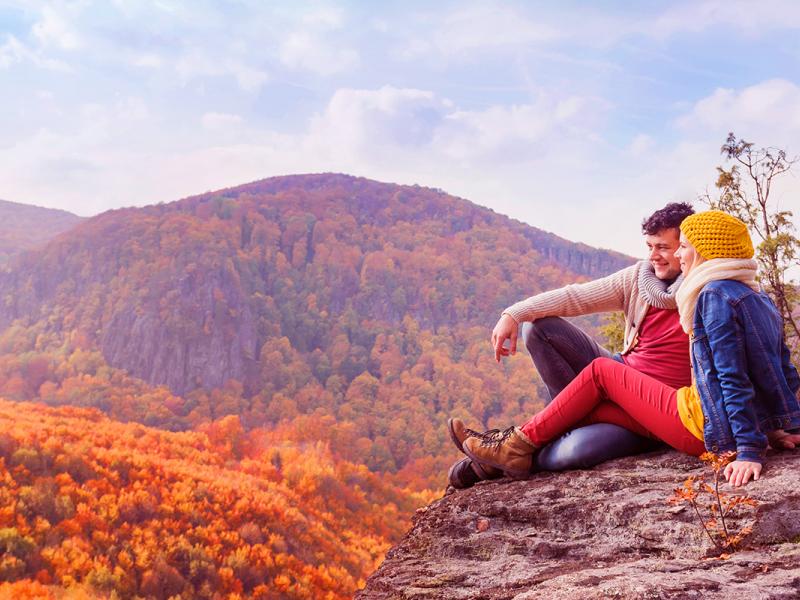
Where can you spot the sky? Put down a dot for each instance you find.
(579, 118)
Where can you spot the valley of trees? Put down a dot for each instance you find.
(126, 511)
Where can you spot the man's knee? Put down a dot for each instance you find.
(538, 331)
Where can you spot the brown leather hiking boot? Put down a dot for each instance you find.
(460, 432)
(464, 473)
(509, 450)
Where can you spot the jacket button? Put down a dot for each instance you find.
(715, 448)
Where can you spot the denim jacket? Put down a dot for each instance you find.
(746, 382)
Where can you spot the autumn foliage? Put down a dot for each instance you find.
(89, 503)
(722, 515)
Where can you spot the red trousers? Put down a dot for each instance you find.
(607, 391)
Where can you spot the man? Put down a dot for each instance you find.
(654, 343)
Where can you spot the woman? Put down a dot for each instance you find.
(744, 393)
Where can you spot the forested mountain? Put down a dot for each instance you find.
(308, 318)
(23, 227)
(322, 295)
(187, 294)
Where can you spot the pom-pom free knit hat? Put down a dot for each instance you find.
(716, 234)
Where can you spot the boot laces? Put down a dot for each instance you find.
(492, 437)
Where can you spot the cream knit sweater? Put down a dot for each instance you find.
(616, 292)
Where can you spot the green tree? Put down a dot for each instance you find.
(744, 190)
(613, 329)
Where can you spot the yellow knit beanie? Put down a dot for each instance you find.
(715, 234)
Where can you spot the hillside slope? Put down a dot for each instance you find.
(186, 294)
(140, 512)
(23, 227)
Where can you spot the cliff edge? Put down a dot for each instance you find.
(608, 532)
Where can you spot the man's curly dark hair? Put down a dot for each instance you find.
(668, 217)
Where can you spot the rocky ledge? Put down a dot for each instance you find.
(609, 532)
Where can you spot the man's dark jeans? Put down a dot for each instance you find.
(560, 351)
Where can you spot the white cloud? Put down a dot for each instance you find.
(766, 113)
(641, 144)
(53, 29)
(520, 133)
(594, 25)
(196, 63)
(220, 121)
(250, 79)
(145, 35)
(394, 134)
(417, 126)
(13, 52)
(149, 60)
(741, 15)
(369, 124)
(380, 25)
(324, 17)
(307, 51)
(132, 109)
(688, 17)
(478, 27)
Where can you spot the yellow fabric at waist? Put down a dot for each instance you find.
(690, 410)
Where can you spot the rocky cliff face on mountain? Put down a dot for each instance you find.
(608, 532)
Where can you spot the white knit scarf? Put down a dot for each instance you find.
(657, 292)
(737, 269)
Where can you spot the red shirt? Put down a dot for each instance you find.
(663, 349)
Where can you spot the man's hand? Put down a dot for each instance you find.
(739, 472)
(506, 329)
(781, 440)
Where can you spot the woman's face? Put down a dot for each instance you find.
(687, 255)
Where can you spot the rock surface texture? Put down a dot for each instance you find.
(608, 532)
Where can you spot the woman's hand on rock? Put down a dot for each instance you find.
(739, 472)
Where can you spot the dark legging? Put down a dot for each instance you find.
(608, 391)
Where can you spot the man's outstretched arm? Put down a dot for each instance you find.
(606, 294)
(601, 295)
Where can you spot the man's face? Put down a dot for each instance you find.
(661, 247)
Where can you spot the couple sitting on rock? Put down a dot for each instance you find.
(704, 364)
